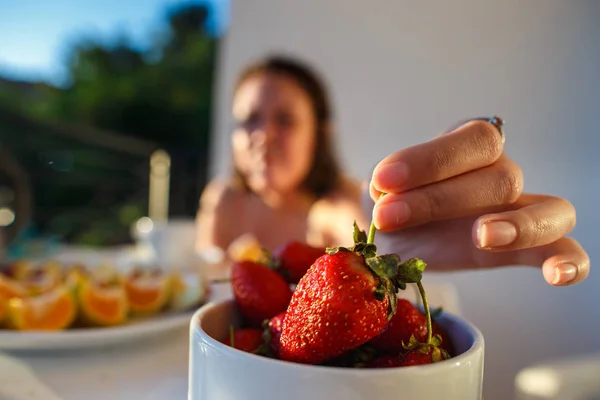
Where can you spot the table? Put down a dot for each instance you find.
(151, 369)
(155, 368)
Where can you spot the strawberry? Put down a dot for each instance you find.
(385, 361)
(246, 339)
(272, 333)
(334, 309)
(423, 354)
(344, 300)
(416, 357)
(446, 342)
(295, 258)
(406, 322)
(259, 292)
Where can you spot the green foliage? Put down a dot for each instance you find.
(162, 94)
(168, 100)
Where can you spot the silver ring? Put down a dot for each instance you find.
(495, 120)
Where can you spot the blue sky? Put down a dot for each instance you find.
(34, 34)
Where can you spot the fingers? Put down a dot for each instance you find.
(472, 193)
(475, 145)
(534, 235)
(541, 220)
(563, 262)
(566, 262)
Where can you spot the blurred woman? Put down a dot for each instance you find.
(287, 183)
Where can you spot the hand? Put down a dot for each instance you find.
(457, 203)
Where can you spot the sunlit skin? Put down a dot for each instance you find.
(442, 196)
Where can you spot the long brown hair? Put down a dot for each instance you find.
(324, 175)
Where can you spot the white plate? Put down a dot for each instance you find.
(123, 259)
(93, 337)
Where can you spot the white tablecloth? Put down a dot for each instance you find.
(153, 369)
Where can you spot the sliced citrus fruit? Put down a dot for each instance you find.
(189, 289)
(101, 304)
(10, 288)
(148, 291)
(53, 310)
(3, 309)
(44, 277)
(245, 248)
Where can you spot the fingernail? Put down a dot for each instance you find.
(565, 273)
(391, 215)
(496, 234)
(390, 177)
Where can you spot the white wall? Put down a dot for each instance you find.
(401, 71)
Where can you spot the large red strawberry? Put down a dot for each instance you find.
(295, 258)
(246, 339)
(334, 309)
(343, 301)
(259, 292)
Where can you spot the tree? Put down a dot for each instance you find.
(162, 94)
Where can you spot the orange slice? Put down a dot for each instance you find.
(10, 288)
(3, 309)
(148, 292)
(52, 311)
(101, 304)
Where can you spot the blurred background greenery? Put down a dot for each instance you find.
(85, 146)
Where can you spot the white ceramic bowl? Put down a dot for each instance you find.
(219, 372)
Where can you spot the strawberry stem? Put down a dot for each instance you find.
(231, 335)
(221, 280)
(427, 311)
(372, 229)
(418, 296)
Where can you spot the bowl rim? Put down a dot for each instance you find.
(199, 335)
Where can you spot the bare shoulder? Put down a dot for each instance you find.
(219, 206)
(331, 218)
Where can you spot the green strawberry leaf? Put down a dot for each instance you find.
(264, 350)
(268, 260)
(436, 340)
(369, 251)
(411, 271)
(384, 266)
(387, 289)
(413, 343)
(380, 291)
(334, 250)
(391, 294)
(360, 236)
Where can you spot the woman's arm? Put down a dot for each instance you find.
(216, 215)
